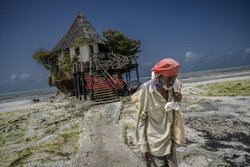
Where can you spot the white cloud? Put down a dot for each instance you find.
(24, 76)
(191, 55)
(248, 50)
(15, 77)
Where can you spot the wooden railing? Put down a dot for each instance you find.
(103, 63)
(109, 79)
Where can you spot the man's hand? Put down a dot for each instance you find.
(177, 96)
(146, 157)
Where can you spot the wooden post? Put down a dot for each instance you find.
(129, 76)
(75, 80)
(91, 92)
(128, 86)
(137, 76)
(83, 82)
(78, 80)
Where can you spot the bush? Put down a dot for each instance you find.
(120, 43)
(46, 59)
(50, 82)
(67, 63)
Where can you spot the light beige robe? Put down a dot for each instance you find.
(153, 130)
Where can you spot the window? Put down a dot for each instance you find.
(91, 49)
(77, 51)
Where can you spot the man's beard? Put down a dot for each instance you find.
(167, 87)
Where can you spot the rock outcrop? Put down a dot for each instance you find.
(65, 83)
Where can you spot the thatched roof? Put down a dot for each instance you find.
(80, 26)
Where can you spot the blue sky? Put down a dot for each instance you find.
(200, 34)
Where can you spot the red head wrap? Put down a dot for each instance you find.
(167, 67)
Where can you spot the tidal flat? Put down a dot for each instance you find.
(47, 134)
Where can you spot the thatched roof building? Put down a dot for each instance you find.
(80, 26)
(95, 62)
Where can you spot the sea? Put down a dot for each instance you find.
(40, 94)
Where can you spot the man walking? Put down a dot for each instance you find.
(154, 123)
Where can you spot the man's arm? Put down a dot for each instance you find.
(141, 137)
(141, 122)
(177, 126)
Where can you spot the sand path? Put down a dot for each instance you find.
(19, 105)
(103, 140)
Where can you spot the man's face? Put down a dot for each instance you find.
(168, 81)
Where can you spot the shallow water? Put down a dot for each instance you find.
(23, 100)
(22, 95)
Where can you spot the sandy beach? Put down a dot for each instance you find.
(64, 131)
(18, 105)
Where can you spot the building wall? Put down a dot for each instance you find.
(95, 49)
(84, 51)
(95, 46)
(72, 52)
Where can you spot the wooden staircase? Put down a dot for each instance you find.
(102, 91)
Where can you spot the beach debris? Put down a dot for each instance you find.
(35, 100)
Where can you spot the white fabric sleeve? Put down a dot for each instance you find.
(141, 138)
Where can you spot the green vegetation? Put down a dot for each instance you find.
(91, 134)
(50, 62)
(67, 63)
(125, 135)
(120, 43)
(75, 58)
(79, 41)
(23, 136)
(199, 86)
(17, 160)
(125, 132)
(231, 88)
(50, 81)
(46, 59)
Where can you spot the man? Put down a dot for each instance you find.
(153, 130)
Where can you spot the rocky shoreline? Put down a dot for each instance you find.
(48, 134)
(67, 132)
